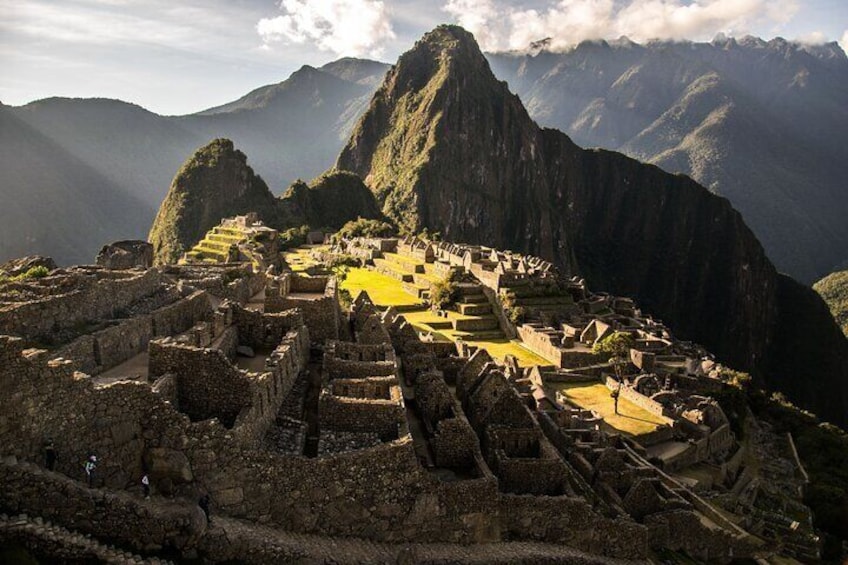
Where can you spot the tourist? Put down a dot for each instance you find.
(204, 505)
(615, 394)
(145, 484)
(90, 467)
(50, 455)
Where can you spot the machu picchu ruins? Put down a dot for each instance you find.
(470, 340)
(305, 402)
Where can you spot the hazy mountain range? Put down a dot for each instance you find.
(762, 123)
(79, 173)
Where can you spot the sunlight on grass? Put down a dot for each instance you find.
(500, 348)
(383, 290)
(631, 419)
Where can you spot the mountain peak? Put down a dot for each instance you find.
(213, 183)
(440, 99)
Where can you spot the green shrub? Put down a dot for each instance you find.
(293, 237)
(517, 314)
(617, 344)
(32, 273)
(362, 227)
(445, 292)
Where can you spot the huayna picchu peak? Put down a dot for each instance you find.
(470, 340)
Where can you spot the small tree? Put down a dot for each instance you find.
(617, 346)
(445, 292)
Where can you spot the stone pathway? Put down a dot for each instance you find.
(228, 538)
(45, 534)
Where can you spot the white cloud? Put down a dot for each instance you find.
(844, 41)
(812, 38)
(501, 25)
(344, 27)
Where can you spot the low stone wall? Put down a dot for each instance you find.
(348, 360)
(637, 398)
(208, 386)
(571, 521)
(320, 313)
(106, 515)
(660, 435)
(263, 330)
(115, 345)
(382, 417)
(104, 295)
(181, 315)
(541, 343)
(454, 443)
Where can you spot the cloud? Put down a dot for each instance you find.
(345, 27)
(502, 25)
(812, 38)
(844, 41)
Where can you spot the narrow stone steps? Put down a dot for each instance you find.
(474, 308)
(86, 546)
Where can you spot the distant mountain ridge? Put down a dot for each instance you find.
(445, 146)
(763, 123)
(760, 122)
(291, 130)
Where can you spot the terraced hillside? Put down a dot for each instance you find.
(404, 283)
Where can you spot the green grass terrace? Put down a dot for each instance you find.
(631, 420)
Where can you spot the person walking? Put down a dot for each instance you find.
(204, 505)
(145, 483)
(615, 394)
(50, 455)
(90, 467)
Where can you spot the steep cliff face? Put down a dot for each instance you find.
(214, 183)
(444, 145)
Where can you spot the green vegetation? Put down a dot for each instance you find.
(834, 289)
(293, 237)
(363, 227)
(331, 200)
(630, 420)
(383, 290)
(617, 344)
(33, 273)
(212, 184)
(445, 293)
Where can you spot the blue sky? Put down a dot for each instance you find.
(176, 57)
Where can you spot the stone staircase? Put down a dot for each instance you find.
(217, 246)
(538, 303)
(52, 539)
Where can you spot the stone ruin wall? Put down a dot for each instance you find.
(541, 344)
(362, 412)
(123, 422)
(632, 395)
(321, 314)
(102, 350)
(96, 300)
(116, 516)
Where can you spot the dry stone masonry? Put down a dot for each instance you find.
(307, 423)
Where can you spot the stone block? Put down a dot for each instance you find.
(163, 463)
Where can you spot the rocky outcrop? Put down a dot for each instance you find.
(125, 255)
(331, 200)
(214, 183)
(20, 266)
(834, 290)
(446, 146)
